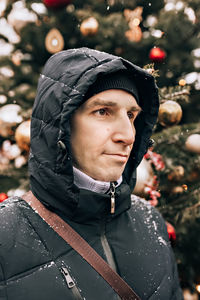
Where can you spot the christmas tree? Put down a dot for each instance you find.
(161, 36)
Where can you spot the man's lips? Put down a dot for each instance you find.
(119, 156)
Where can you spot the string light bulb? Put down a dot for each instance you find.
(182, 82)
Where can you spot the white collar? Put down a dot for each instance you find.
(83, 181)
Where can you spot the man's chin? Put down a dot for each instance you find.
(109, 177)
(104, 172)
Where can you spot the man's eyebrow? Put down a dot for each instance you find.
(98, 102)
(136, 108)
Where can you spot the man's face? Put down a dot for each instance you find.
(103, 134)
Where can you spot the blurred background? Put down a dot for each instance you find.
(161, 36)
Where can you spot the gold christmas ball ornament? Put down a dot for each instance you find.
(54, 41)
(9, 118)
(89, 27)
(192, 143)
(170, 113)
(22, 135)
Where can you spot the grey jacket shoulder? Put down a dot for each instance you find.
(10, 213)
(149, 214)
(10, 216)
(19, 239)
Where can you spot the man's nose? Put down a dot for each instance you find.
(124, 131)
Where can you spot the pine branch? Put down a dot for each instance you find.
(175, 93)
(184, 92)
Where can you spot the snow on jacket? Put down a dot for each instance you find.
(35, 263)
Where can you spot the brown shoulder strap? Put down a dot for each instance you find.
(82, 247)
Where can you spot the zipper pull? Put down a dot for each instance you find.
(68, 278)
(112, 197)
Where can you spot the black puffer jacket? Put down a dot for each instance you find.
(34, 260)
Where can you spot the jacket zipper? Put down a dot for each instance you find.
(104, 241)
(106, 247)
(71, 284)
(112, 197)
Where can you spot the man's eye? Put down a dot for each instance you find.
(130, 115)
(101, 111)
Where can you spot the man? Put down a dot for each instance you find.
(91, 124)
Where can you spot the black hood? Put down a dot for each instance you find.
(62, 86)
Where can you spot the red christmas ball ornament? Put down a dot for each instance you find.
(171, 232)
(56, 3)
(156, 54)
(3, 197)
